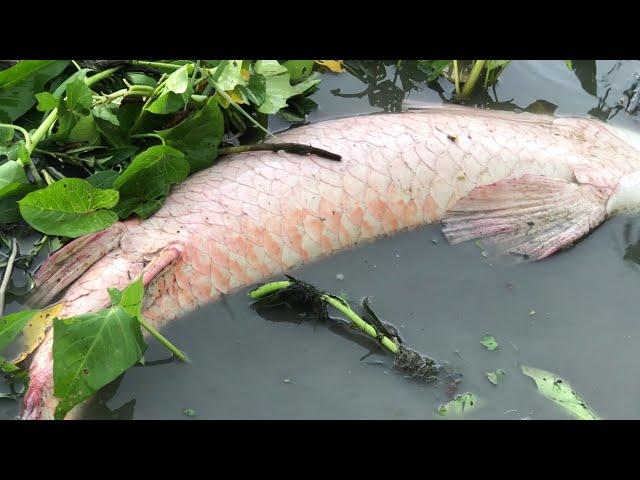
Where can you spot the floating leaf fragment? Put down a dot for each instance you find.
(556, 389)
(460, 405)
(495, 377)
(489, 342)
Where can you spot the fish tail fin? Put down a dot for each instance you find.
(70, 262)
(529, 216)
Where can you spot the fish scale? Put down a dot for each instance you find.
(258, 214)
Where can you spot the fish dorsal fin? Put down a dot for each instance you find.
(530, 216)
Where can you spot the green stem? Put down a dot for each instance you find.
(297, 148)
(159, 86)
(360, 323)
(456, 77)
(158, 336)
(143, 135)
(473, 78)
(44, 127)
(273, 287)
(224, 95)
(162, 66)
(92, 80)
(47, 177)
(27, 137)
(268, 289)
(7, 273)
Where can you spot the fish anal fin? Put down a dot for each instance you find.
(530, 216)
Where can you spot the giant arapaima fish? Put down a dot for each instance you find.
(530, 184)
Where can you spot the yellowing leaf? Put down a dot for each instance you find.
(34, 332)
(237, 97)
(245, 74)
(333, 65)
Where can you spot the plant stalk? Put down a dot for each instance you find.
(297, 148)
(7, 274)
(44, 127)
(367, 328)
(158, 336)
(478, 65)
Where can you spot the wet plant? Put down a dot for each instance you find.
(295, 292)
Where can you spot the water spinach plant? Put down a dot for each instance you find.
(84, 144)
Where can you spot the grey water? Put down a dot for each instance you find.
(574, 314)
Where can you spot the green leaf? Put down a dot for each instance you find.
(20, 83)
(84, 130)
(489, 342)
(11, 325)
(104, 179)
(152, 171)
(14, 185)
(199, 136)
(255, 90)
(90, 351)
(167, 102)
(7, 367)
(12, 172)
(141, 79)
(279, 89)
(46, 101)
(74, 111)
(559, 391)
(70, 207)
(569, 64)
(62, 88)
(230, 75)
(105, 113)
(178, 81)
(6, 134)
(269, 68)
(460, 405)
(495, 377)
(79, 96)
(9, 196)
(299, 69)
(433, 68)
(114, 156)
(148, 208)
(130, 298)
(493, 64)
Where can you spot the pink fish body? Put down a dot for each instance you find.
(532, 183)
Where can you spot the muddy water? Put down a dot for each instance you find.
(278, 364)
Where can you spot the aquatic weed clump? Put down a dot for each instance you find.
(297, 292)
(416, 365)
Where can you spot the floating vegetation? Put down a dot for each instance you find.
(495, 377)
(559, 391)
(489, 342)
(461, 405)
(296, 292)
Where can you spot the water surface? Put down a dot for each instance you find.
(277, 364)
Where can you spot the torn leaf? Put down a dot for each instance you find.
(460, 405)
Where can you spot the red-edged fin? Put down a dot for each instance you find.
(67, 264)
(530, 216)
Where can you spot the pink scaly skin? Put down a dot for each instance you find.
(255, 215)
